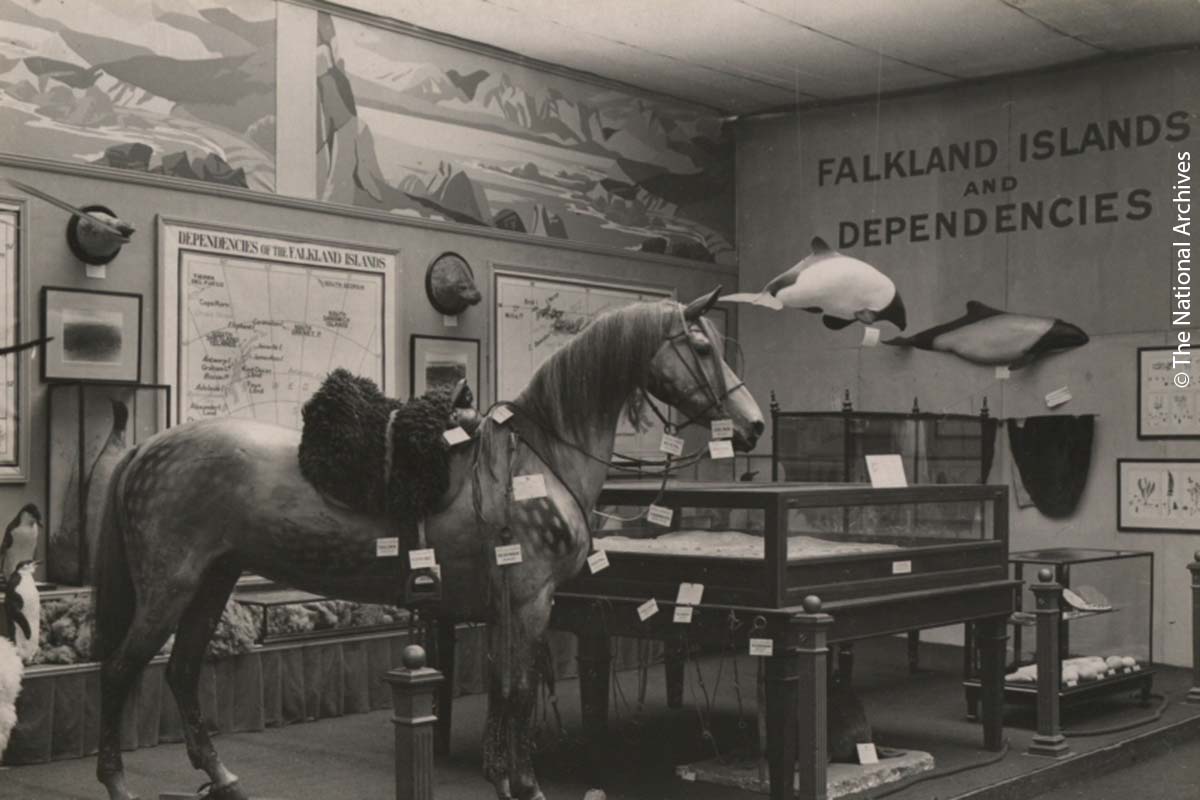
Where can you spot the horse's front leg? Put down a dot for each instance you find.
(512, 700)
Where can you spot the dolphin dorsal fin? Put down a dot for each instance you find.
(978, 310)
(819, 246)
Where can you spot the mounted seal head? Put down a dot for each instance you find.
(450, 284)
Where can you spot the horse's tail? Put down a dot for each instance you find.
(113, 597)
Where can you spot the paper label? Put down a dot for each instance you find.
(529, 487)
(647, 609)
(762, 647)
(1058, 397)
(886, 471)
(388, 547)
(508, 554)
(867, 754)
(97, 271)
(721, 448)
(502, 414)
(597, 561)
(660, 515)
(450, 321)
(721, 428)
(683, 614)
(421, 559)
(456, 435)
(901, 567)
(671, 445)
(690, 594)
(870, 337)
(1003, 373)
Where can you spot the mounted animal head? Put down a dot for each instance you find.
(689, 373)
(450, 284)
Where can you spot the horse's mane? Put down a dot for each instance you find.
(604, 366)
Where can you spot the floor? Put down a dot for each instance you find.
(351, 757)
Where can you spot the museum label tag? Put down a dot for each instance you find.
(388, 547)
(720, 448)
(660, 515)
(507, 554)
(647, 609)
(886, 471)
(1003, 373)
(762, 647)
(529, 487)
(690, 594)
(671, 445)
(456, 435)
(421, 559)
(450, 321)
(722, 428)
(870, 337)
(502, 414)
(683, 614)
(598, 561)
(1058, 397)
(866, 753)
(901, 567)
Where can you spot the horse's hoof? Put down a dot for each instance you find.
(230, 791)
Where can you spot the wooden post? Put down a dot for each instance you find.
(811, 700)
(413, 688)
(1049, 740)
(445, 640)
(1193, 695)
(595, 663)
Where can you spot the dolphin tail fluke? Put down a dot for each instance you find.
(899, 341)
(762, 299)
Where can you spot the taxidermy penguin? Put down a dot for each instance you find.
(23, 610)
(20, 538)
(12, 669)
(841, 288)
(990, 337)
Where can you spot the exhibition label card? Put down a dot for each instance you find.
(1003, 373)
(647, 609)
(867, 754)
(388, 547)
(722, 428)
(421, 559)
(598, 561)
(886, 471)
(97, 271)
(671, 445)
(450, 321)
(902, 567)
(1058, 397)
(870, 337)
(456, 435)
(683, 614)
(690, 594)
(720, 448)
(762, 647)
(660, 515)
(529, 487)
(507, 554)
(502, 414)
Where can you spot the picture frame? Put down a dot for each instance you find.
(442, 360)
(1164, 409)
(1158, 495)
(15, 369)
(97, 336)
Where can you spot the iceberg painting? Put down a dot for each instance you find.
(420, 128)
(184, 88)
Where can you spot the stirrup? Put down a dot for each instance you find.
(422, 589)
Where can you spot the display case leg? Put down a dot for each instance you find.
(782, 689)
(992, 637)
(444, 643)
(674, 661)
(1193, 695)
(812, 655)
(595, 665)
(1049, 740)
(914, 651)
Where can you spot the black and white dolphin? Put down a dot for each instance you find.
(840, 288)
(988, 336)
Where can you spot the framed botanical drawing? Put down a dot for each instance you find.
(437, 361)
(1158, 494)
(14, 369)
(97, 336)
(1168, 395)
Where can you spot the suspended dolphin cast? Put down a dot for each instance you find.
(988, 336)
(841, 288)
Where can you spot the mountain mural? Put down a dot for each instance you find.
(178, 87)
(415, 127)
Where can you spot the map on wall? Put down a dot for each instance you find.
(10, 412)
(184, 88)
(1166, 410)
(253, 324)
(424, 129)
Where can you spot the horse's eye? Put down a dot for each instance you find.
(700, 343)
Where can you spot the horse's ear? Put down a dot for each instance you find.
(700, 306)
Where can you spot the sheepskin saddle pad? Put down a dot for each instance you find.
(345, 450)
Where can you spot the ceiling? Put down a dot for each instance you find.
(746, 56)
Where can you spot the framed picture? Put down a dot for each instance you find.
(97, 336)
(1168, 396)
(14, 369)
(1158, 495)
(436, 361)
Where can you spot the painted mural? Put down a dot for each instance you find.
(424, 129)
(177, 87)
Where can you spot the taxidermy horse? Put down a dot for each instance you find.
(191, 508)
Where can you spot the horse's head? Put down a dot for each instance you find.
(690, 373)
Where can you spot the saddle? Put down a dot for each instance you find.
(389, 458)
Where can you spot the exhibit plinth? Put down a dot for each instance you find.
(840, 779)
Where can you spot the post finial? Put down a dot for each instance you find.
(413, 657)
(812, 604)
(1045, 575)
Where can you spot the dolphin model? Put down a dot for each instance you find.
(988, 336)
(840, 288)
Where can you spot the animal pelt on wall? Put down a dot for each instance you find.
(343, 448)
(1053, 454)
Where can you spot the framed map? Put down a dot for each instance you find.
(1158, 495)
(14, 369)
(1165, 409)
(252, 323)
(536, 314)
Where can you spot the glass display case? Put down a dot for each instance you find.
(768, 545)
(91, 426)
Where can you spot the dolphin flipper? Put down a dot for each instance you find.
(20, 621)
(762, 299)
(836, 323)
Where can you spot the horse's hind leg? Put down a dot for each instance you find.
(195, 629)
